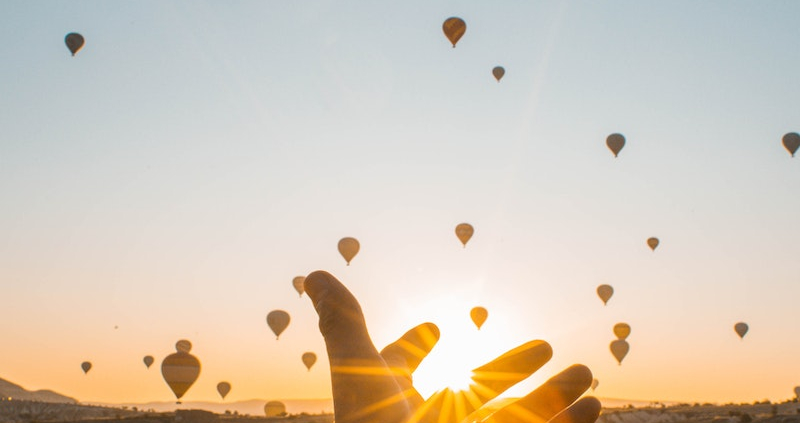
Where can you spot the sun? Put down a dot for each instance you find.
(450, 363)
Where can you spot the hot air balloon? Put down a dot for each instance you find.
(797, 391)
(620, 349)
(74, 42)
(605, 292)
(478, 315)
(309, 359)
(180, 370)
(454, 29)
(183, 346)
(615, 142)
(741, 329)
(652, 242)
(223, 388)
(274, 408)
(622, 330)
(595, 384)
(348, 248)
(792, 142)
(464, 232)
(298, 283)
(148, 360)
(278, 320)
(498, 73)
(86, 366)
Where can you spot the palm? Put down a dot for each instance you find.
(376, 387)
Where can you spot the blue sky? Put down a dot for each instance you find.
(194, 157)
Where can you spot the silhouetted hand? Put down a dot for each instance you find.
(376, 387)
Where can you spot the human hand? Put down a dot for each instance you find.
(376, 387)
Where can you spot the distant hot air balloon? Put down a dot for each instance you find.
(615, 142)
(74, 42)
(309, 359)
(595, 384)
(348, 248)
(478, 315)
(797, 392)
(274, 408)
(86, 366)
(183, 346)
(741, 329)
(454, 29)
(619, 349)
(792, 142)
(223, 388)
(498, 73)
(148, 360)
(652, 242)
(299, 284)
(622, 330)
(605, 292)
(180, 370)
(278, 320)
(464, 232)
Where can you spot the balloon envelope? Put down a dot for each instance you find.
(299, 284)
(741, 329)
(148, 360)
(595, 384)
(622, 330)
(791, 142)
(498, 73)
(180, 370)
(86, 366)
(454, 29)
(74, 42)
(274, 408)
(183, 346)
(348, 248)
(464, 232)
(615, 142)
(605, 292)
(797, 391)
(278, 320)
(619, 349)
(478, 315)
(223, 388)
(309, 359)
(652, 242)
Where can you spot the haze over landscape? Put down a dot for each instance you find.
(171, 179)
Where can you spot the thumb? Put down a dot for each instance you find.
(364, 388)
(340, 318)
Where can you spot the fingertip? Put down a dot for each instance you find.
(580, 374)
(591, 403)
(586, 410)
(432, 330)
(317, 282)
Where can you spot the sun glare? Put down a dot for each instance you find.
(459, 351)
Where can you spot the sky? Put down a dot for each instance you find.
(171, 179)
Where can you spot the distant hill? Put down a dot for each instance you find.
(253, 407)
(8, 389)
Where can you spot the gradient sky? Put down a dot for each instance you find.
(174, 176)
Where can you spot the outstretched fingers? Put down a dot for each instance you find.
(489, 381)
(555, 400)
